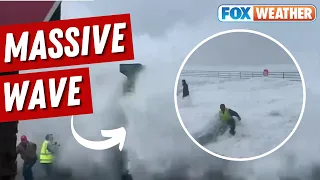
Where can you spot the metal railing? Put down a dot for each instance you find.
(295, 76)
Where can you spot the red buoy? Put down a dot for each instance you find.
(265, 72)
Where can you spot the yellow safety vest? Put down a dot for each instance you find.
(225, 116)
(46, 157)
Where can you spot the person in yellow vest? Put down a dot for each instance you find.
(47, 154)
(226, 116)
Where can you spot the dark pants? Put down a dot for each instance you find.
(126, 176)
(231, 123)
(48, 169)
(27, 170)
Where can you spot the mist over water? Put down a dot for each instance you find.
(155, 137)
(157, 142)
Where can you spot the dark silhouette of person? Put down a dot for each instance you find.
(185, 90)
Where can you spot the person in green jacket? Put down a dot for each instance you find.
(226, 116)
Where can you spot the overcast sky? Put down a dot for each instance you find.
(181, 24)
(239, 49)
(166, 31)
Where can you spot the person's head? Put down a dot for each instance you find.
(183, 81)
(49, 137)
(222, 107)
(24, 139)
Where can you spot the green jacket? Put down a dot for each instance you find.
(227, 115)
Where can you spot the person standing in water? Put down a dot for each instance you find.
(185, 89)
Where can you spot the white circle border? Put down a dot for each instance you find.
(303, 92)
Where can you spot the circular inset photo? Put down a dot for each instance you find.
(240, 95)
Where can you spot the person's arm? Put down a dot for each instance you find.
(50, 148)
(234, 113)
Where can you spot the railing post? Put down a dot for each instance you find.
(283, 75)
(240, 75)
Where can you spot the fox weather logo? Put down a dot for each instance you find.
(249, 13)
